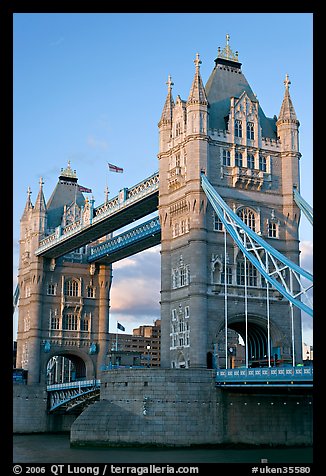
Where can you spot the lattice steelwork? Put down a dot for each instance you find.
(279, 271)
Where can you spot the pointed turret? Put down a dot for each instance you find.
(197, 93)
(166, 117)
(287, 112)
(40, 204)
(165, 124)
(28, 205)
(287, 122)
(197, 104)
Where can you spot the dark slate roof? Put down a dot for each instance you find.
(226, 81)
(65, 193)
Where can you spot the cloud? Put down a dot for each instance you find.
(97, 143)
(135, 291)
(306, 257)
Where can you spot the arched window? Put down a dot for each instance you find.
(248, 217)
(238, 128)
(251, 273)
(71, 287)
(238, 159)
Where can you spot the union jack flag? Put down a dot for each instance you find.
(84, 189)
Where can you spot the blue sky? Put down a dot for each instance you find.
(89, 88)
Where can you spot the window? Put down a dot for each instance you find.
(54, 321)
(70, 322)
(250, 161)
(248, 217)
(180, 276)
(84, 324)
(272, 230)
(226, 158)
(71, 288)
(250, 131)
(174, 314)
(238, 128)
(51, 289)
(90, 292)
(251, 274)
(218, 224)
(228, 275)
(238, 159)
(177, 129)
(187, 311)
(262, 163)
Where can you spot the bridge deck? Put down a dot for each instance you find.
(280, 376)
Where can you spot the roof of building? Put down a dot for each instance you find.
(226, 81)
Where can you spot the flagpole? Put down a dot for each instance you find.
(116, 339)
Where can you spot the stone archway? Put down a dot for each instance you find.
(257, 341)
(68, 366)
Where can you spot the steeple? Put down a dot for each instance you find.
(28, 205)
(166, 117)
(287, 112)
(197, 93)
(40, 200)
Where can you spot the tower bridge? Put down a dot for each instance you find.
(228, 199)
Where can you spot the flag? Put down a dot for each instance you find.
(114, 168)
(120, 326)
(84, 189)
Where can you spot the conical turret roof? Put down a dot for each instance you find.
(287, 112)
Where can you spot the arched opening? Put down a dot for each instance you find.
(209, 360)
(236, 354)
(64, 368)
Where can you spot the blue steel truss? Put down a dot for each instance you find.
(272, 376)
(303, 205)
(279, 271)
(66, 396)
(125, 240)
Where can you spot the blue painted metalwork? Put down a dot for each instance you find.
(303, 205)
(126, 198)
(265, 376)
(68, 395)
(16, 297)
(252, 245)
(134, 235)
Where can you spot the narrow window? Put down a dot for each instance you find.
(262, 163)
(226, 158)
(272, 230)
(250, 131)
(238, 128)
(250, 161)
(218, 225)
(238, 159)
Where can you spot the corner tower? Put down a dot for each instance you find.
(63, 308)
(221, 130)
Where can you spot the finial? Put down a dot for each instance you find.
(169, 83)
(197, 61)
(29, 191)
(287, 82)
(227, 53)
(41, 182)
(106, 192)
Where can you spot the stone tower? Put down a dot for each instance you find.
(253, 162)
(64, 303)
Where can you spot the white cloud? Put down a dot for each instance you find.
(97, 143)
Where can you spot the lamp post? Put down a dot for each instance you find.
(148, 356)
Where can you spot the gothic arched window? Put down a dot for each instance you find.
(248, 217)
(71, 287)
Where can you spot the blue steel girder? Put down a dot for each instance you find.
(272, 264)
(65, 397)
(130, 242)
(277, 376)
(304, 206)
(127, 207)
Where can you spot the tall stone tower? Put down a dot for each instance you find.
(253, 162)
(63, 319)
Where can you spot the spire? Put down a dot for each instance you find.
(166, 116)
(40, 200)
(28, 205)
(197, 93)
(287, 112)
(68, 174)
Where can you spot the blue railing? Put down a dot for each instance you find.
(265, 375)
(138, 233)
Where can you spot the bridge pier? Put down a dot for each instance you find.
(183, 407)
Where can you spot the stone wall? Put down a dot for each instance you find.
(184, 407)
(30, 413)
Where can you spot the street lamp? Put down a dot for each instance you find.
(148, 348)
